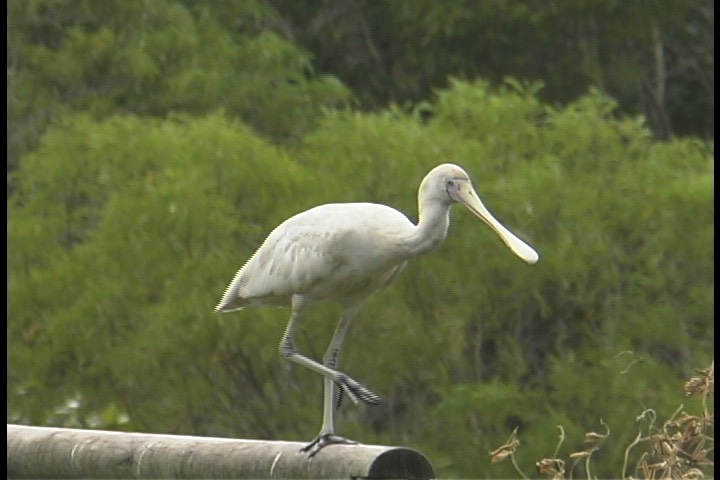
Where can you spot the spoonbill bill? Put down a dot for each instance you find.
(342, 253)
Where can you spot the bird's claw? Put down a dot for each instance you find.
(323, 441)
(339, 396)
(356, 391)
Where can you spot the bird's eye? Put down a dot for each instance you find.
(450, 183)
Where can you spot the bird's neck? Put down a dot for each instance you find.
(432, 226)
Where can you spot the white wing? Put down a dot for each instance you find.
(290, 261)
(325, 252)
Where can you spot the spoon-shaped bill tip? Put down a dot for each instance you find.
(470, 199)
(524, 251)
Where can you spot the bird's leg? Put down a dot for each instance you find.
(332, 378)
(355, 390)
(332, 396)
(331, 359)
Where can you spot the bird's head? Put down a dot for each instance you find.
(448, 183)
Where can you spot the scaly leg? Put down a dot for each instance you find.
(331, 394)
(332, 377)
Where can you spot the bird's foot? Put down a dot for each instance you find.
(323, 441)
(339, 396)
(355, 391)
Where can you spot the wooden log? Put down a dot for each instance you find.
(43, 452)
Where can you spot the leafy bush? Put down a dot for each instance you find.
(124, 232)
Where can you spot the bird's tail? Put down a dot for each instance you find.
(230, 300)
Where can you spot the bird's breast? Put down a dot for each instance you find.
(346, 285)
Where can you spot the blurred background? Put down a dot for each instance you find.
(153, 144)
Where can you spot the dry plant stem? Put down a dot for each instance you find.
(676, 449)
(646, 414)
(710, 375)
(629, 365)
(572, 467)
(595, 440)
(560, 441)
(681, 445)
(517, 467)
(635, 442)
(672, 417)
(587, 467)
(508, 450)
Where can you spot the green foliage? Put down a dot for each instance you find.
(653, 57)
(115, 226)
(124, 231)
(157, 57)
(614, 216)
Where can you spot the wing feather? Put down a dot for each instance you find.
(334, 251)
(291, 261)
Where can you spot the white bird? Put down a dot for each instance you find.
(344, 252)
